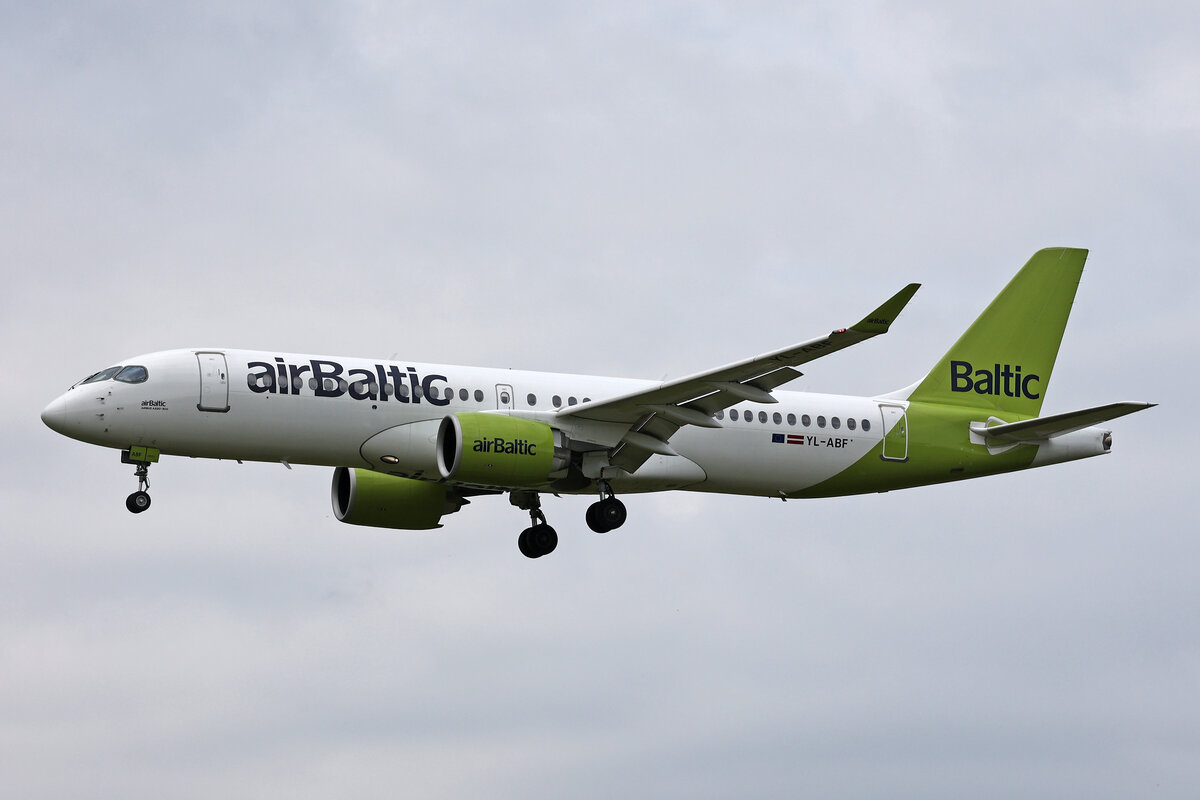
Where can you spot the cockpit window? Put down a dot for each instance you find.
(132, 374)
(103, 375)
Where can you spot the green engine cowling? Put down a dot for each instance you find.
(499, 450)
(365, 497)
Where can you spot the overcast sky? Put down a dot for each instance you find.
(628, 188)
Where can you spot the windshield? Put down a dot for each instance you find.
(132, 374)
(103, 375)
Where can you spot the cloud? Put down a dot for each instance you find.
(633, 189)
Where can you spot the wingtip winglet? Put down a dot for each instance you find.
(879, 320)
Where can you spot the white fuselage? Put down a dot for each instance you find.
(303, 409)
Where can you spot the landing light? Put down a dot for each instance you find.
(389, 459)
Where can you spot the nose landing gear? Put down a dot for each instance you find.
(142, 457)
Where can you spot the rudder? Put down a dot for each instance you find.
(1004, 360)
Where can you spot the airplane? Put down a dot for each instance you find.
(413, 442)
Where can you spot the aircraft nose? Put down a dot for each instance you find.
(56, 415)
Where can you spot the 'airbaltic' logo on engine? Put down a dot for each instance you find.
(331, 379)
(1003, 380)
(517, 447)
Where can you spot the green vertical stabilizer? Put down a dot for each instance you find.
(1004, 360)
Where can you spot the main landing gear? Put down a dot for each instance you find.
(608, 513)
(539, 539)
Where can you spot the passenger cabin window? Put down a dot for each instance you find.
(478, 395)
(820, 422)
(850, 423)
(866, 424)
(531, 399)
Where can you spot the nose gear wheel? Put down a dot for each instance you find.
(139, 501)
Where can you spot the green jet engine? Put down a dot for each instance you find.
(496, 450)
(365, 497)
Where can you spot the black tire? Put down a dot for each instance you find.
(525, 544)
(137, 502)
(612, 513)
(544, 539)
(593, 519)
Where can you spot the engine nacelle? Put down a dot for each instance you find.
(502, 451)
(409, 450)
(365, 497)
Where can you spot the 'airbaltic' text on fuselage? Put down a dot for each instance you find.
(331, 379)
(1003, 380)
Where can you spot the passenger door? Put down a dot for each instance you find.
(214, 382)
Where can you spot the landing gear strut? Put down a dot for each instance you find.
(606, 514)
(139, 501)
(539, 539)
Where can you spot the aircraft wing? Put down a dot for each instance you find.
(654, 415)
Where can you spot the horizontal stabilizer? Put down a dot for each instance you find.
(1043, 428)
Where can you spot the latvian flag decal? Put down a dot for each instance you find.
(786, 438)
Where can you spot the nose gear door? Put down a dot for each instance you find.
(214, 382)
